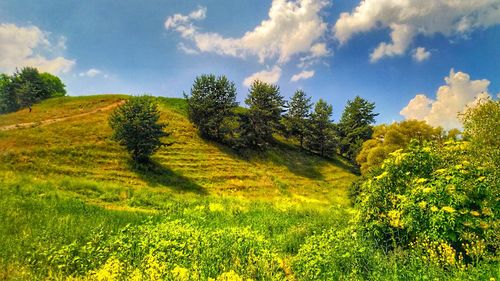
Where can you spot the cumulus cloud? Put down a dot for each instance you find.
(420, 54)
(293, 27)
(271, 76)
(453, 98)
(408, 18)
(302, 75)
(90, 73)
(29, 46)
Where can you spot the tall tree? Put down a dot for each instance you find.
(321, 137)
(211, 103)
(296, 118)
(355, 126)
(264, 114)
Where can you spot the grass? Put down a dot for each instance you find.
(64, 182)
(73, 207)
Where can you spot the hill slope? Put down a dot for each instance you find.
(63, 180)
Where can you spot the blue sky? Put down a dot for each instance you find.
(130, 46)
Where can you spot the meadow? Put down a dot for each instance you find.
(74, 207)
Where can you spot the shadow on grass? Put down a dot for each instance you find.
(156, 174)
(298, 161)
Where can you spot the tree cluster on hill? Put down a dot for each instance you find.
(213, 109)
(26, 87)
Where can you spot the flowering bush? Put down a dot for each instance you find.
(434, 198)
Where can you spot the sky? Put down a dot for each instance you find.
(416, 59)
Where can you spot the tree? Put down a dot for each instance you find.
(53, 85)
(295, 120)
(389, 138)
(135, 126)
(210, 104)
(262, 119)
(321, 137)
(8, 99)
(355, 126)
(482, 127)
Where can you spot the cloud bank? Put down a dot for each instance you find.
(407, 19)
(293, 28)
(29, 46)
(451, 99)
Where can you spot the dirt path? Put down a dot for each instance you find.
(54, 120)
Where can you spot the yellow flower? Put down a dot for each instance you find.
(422, 204)
(434, 208)
(475, 213)
(448, 209)
(381, 176)
(427, 190)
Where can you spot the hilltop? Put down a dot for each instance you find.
(64, 179)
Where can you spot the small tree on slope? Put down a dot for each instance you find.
(135, 126)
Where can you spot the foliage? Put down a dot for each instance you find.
(135, 126)
(8, 99)
(321, 135)
(27, 87)
(53, 85)
(482, 126)
(433, 197)
(388, 138)
(296, 118)
(211, 105)
(263, 116)
(355, 126)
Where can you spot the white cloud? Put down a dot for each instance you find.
(451, 99)
(90, 73)
(420, 54)
(293, 27)
(186, 49)
(302, 75)
(271, 76)
(28, 46)
(408, 18)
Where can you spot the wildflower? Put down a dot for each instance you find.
(475, 213)
(427, 190)
(448, 209)
(434, 208)
(422, 204)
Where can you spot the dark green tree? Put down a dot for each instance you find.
(211, 104)
(53, 85)
(296, 118)
(263, 116)
(321, 137)
(355, 126)
(8, 98)
(135, 126)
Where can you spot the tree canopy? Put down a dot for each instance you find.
(297, 116)
(355, 126)
(321, 137)
(135, 126)
(211, 103)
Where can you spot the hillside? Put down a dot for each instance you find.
(64, 180)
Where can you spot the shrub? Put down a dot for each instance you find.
(135, 126)
(434, 195)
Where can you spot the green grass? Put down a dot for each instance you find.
(73, 206)
(64, 182)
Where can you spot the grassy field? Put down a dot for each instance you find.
(67, 191)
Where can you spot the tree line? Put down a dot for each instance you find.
(213, 109)
(26, 87)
